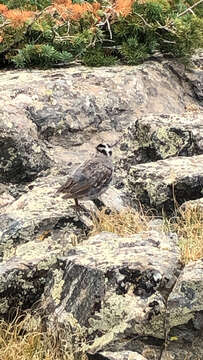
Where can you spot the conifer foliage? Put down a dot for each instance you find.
(95, 33)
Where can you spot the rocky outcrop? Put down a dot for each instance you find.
(185, 315)
(163, 183)
(112, 285)
(158, 137)
(69, 107)
(37, 212)
(22, 155)
(131, 295)
(188, 288)
(41, 212)
(24, 276)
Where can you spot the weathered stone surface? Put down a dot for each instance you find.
(127, 293)
(5, 197)
(184, 321)
(69, 106)
(109, 284)
(123, 355)
(198, 204)
(182, 351)
(185, 301)
(150, 348)
(154, 184)
(158, 137)
(195, 78)
(38, 212)
(23, 276)
(22, 155)
(192, 78)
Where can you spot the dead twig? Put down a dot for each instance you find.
(7, 22)
(101, 24)
(190, 8)
(144, 21)
(109, 27)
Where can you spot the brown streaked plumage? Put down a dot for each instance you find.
(91, 178)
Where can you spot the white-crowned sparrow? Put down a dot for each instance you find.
(91, 178)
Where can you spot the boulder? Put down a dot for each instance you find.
(24, 276)
(41, 211)
(158, 185)
(122, 355)
(22, 155)
(185, 303)
(113, 286)
(71, 106)
(194, 204)
(187, 350)
(185, 315)
(158, 137)
(192, 76)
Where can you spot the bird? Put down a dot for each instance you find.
(92, 178)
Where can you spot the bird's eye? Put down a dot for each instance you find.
(110, 152)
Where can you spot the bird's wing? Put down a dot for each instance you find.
(92, 174)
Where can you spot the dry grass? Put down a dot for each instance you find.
(188, 224)
(126, 222)
(16, 343)
(189, 227)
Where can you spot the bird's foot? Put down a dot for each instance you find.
(79, 208)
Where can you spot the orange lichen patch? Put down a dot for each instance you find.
(123, 7)
(3, 8)
(18, 17)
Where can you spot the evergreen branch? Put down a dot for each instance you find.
(190, 8)
(166, 28)
(179, 15)
(144, 21)
(24, 33)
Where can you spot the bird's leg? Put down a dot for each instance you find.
(79, 207)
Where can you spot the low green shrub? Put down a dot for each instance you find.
(43, 33)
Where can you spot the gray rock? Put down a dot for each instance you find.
(110, 285)
(70, 106)
(23, 276)
(123, 355)
(5, 197)
(184, 320)
(158, 137)
(186, 350)
(186, 298)
(195, 78)
(22, 155)
(40, 211)
(128, 293)
(156, 183)
(198, 204)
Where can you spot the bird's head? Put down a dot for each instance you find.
(104, 149)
